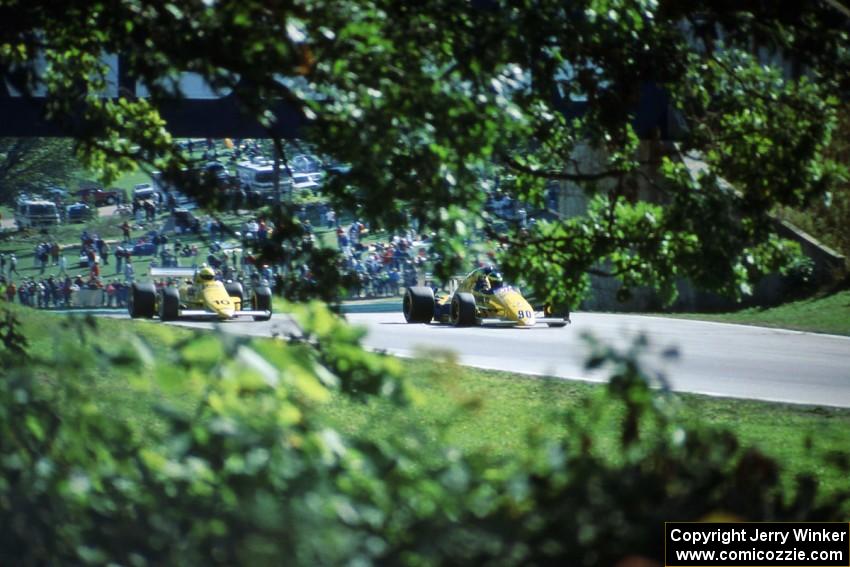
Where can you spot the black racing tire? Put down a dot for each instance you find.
(169, 304)
(261, 300)
(111, 200)
(564, 312)
(418, 304)
(234, 289)
(142, 300)
(463, 310)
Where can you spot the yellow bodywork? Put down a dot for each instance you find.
(210, 296)
(505, 303)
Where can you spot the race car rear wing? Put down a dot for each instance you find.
(156, 272)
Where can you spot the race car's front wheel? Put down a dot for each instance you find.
(418, 304)
(142, 300)
(463, 310)
(261, 300)
(235, 291)
(169, 304)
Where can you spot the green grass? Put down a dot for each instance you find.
(829, 314)
(495, 411)
(130, 180)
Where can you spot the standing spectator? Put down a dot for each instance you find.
(110, 294)
(119, 258)
(66, 290)
(23, 294)
(125, 228)
(52, 292)
(2, 264)
(10, 291)
(100, 246)
(121, 292)
(129, 272)
(13, 265)
(62, 264)
(55, 250)
(41, 257)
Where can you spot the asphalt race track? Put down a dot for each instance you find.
(714, 358)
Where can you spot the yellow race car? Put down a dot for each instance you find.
(198, 295)
(482, 297)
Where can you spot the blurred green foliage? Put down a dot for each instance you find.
(32, 165)
(423, 100)
(827, 217)
(252, 475)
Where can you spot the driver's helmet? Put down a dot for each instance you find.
(496, 280)
(206, 274)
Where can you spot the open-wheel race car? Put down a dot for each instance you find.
(482, 297)
(198, 294)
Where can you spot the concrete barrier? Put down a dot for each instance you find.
(88, 298)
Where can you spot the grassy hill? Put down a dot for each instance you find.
(825, 314)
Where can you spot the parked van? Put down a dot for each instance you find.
(259, 176)
(33, 213)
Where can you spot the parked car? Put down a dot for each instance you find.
(185, 221)
(143, 191)
(100, 197)
(78, 212)
(144, 248)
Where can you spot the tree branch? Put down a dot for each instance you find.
(563, 176)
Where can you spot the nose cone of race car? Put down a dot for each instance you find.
(516, 308)
(217, 301)
(225, 312)
(527, 319)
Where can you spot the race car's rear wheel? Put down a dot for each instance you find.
(261, 300)
(142, 300)
(234, 290)
(551, 312)
(463, 310)
(169, 304)
(418, 304)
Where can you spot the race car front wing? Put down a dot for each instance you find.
(236, 314)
